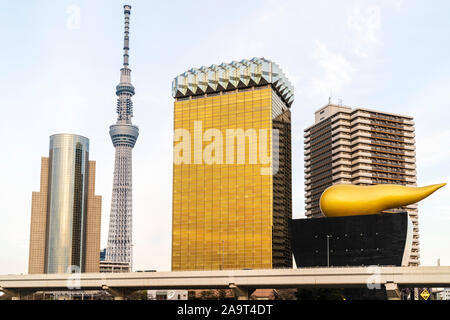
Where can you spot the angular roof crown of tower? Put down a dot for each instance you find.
(231, 76)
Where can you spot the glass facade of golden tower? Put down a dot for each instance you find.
(229, 210)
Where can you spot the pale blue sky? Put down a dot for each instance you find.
(386, 55)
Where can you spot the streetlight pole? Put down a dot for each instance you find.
(328, 250)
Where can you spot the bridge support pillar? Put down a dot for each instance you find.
(392, 291)
(240, 292)
(117, 293)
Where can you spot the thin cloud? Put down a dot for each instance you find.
(430, 149)
(337, 71)
(365, 26)
(399, 4)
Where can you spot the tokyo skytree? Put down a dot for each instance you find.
(123, 135)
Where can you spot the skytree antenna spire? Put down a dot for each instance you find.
(126, 37)
(123, 135)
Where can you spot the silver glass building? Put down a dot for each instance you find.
(67, 203)
(65, 212)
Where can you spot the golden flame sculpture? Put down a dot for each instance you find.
(351, 200)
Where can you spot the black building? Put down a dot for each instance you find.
(382, 239)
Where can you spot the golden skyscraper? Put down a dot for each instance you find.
(232, 167)
(66, 213)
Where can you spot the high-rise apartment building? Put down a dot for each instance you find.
(232, 167)
(362, 147)
(66, 213)
(123, 135)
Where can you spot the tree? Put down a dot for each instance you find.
(138, 295)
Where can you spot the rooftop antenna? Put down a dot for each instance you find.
(126, 38)
(329, 97)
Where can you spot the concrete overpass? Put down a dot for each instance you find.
(240, 281)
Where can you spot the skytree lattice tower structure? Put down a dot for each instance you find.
(123, 135)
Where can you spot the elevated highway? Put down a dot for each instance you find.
(240, 281)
